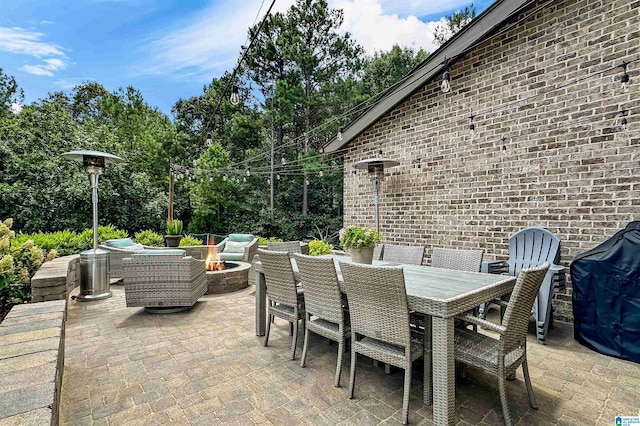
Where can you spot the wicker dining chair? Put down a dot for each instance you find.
(377, 252)
(325, 313)
(380, 322)
(409, 255)
(288, 246)
(503, 357)
(457, 259)
(285, 299)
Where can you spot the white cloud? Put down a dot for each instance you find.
(208, 44)
(29, 43)
(23, 42)
(50, 65)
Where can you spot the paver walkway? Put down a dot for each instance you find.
(206, 366)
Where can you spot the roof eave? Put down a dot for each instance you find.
(497, 13)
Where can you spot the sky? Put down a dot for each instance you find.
(170, 49)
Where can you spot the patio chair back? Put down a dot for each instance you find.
(278, 273)
(532, 247)
(288, 246)
(377, 302)
(322, 296)
(516, 317)
(459, 260)
(409, 255)
(377, 252)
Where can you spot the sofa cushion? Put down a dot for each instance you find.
(241, 238)
(234, 247)
(163, 252)
(120, 243)
(231, 256)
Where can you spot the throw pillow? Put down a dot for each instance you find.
(234, 247)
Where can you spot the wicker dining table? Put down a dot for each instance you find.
(438, 293)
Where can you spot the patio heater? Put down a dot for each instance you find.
(94, 263)
(375, 168)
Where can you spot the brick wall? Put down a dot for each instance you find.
(567, 165)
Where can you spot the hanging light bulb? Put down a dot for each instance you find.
(237, 180)
(224, 178)
(244, 179)
(278, 177)
(211, 179)
(209, 139)
(624, 79)
(248, 173)
(195, 162)
(283, 161)
(623, 122)
(268, 181)
(306, 182)
(235, 96)
(445, 86)
(321, 173)
(472, 127)
(340, 133)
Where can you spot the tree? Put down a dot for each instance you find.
(453, 23)
(384, 69)
(10, 93)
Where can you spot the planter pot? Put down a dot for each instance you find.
(172, 240)
(365, 255)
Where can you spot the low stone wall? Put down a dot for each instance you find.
(228, 280)
(31, 363)
(55, 279)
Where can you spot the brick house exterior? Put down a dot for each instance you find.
(547, 81)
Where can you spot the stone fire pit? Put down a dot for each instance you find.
(234, 277)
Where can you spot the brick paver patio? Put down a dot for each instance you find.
(206, 366)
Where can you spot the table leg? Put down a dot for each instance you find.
(444, 390)
(261, 304)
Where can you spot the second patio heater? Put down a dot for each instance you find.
(375, 168)
(94, 263)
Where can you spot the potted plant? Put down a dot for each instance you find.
(360, 242)
(174, 233)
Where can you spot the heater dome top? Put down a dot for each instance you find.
(81, 154)
(384, 162)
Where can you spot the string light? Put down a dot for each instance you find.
(224, 178)
(278, 177)
(209, 139)
(445, 86)
(235, 96)
(624, 79)
(248, 172)
(321, 173)
(244, 179)
(283, 161)
(195, 162)
(306, 182)
(340, 133)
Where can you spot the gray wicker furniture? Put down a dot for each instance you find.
(163, 282)
(457, 259)
(238, 247)
(502, 357)
(406, 255)
(286, 301)
(441, 293)
(288, 246)
(380, 322)
(119, 249)
(325, 314)
(377, 252)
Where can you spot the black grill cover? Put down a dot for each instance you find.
(606, 295)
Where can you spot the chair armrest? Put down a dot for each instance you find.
(482, 323)
(251, 250)
(220, 246)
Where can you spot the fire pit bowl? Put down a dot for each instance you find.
(234, 276)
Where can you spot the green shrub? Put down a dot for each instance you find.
(190, 241)
(264, 240)
(174, 227)
(317, 248)
(18, 263)
(149, 238)
(105, 233)
(64, 242)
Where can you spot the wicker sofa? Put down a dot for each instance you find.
(163, 281)
(119, 249)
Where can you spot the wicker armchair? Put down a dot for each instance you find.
(409, 255)
(163, 282)
(240, 247)
(119, 249)
(323, 302)
(503, 357)
(285, 300)
(380, 322)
